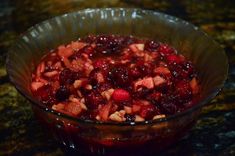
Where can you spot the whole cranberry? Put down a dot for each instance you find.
(109, 44)
(184, 91)
(68, 77)
(93, 100)
(45, 94)
(145, 69)
(151, 46)
(174, 59)
(135, 73)
(62, 93)
(188, 70)
(155, 98)
(119, 76)
(147, 111)
(165, 49)
(168, 104)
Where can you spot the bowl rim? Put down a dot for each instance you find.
(109, 123)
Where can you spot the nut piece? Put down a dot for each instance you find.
(108, 93)
(58, 107)
(73, 108)
(77, 83)
(83, 106)
(137, 49)
(88, 87)
(79, 102)
(82, 100)
(158, 80)
(118, 116)
(159, 116)
(139, 118)
(148, 57)
(97, 118)
(140, 46)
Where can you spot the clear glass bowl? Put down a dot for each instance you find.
(117, 138)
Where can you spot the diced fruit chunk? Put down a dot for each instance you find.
(73, 108)
(148, 82)
(104, 111)
(36, 85)
(158, 80)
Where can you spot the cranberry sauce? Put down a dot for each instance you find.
(116, 78)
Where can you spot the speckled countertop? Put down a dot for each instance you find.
(214, 133)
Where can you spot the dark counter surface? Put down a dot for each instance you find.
(214, 133)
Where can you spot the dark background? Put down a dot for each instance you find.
(214, 133)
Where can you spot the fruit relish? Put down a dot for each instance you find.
(116, 78)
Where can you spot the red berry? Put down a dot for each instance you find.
(174, 59)
(93, 100)
(68, 77)
(62, 93)
(147, 111)
(155, 98)
(101, 63)
(120, 95)
(151, 46)
(45, 94)
(184, 90)
(165, 49)
(135, 73)
(169, 103)
(120, 76)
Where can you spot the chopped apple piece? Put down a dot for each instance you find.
(36, 85)
(158, 80)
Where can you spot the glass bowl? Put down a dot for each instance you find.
(105, 138)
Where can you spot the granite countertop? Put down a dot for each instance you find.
(214, 133)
